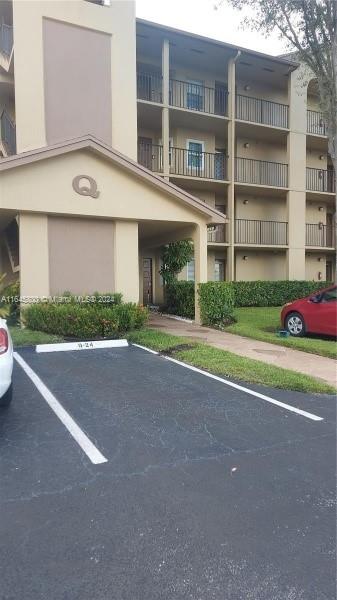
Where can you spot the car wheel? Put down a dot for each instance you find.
(6, 399)
(295, 324)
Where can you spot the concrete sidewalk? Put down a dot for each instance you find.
(303, 362)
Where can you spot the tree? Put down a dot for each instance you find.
(310, 29)
(174, 257)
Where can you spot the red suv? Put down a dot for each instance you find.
(316, 313)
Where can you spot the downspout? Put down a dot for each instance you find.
(231, 174)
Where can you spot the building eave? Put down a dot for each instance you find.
(226, 46)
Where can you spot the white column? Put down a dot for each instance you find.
(297, 157)
(200, 262)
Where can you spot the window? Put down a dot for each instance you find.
(195, 156)
(190, 270)
(330, 295)
(195, 95)
(219, 270)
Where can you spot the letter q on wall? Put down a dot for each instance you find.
(85, 186)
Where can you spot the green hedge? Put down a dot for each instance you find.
(216, 299)
(180, 296)
(80, 321)
(179, 299)
(273, 293)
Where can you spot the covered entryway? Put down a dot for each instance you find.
(89, 216)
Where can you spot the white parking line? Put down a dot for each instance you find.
(144, 348)
(298, 411)
(94, 455)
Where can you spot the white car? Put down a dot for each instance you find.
(6, 364)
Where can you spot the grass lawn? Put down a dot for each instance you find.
(27, 337)
(262, 323)
(227, 364)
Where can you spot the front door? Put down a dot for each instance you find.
(330, 230)
(147, 281)
(220, 164)
(329, 271)
(220, 99)
(145, 152)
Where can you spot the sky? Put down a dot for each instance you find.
(199, 16)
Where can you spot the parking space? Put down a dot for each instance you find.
(206, 491)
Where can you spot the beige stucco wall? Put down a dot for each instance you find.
(81, 255)
(260, 265)
(313, 214)
(117, 21)
(313, 159)
(265, 208)
(208, 196)
(258, 89)
(260, 149)
(77, 82)
(315, 264)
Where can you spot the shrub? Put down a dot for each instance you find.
(216, 299)
(179, 297)
(10, 302)
(80, 321)
(273, 293)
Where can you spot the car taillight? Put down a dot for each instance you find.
(3, 341)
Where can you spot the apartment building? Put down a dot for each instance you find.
(119, 135)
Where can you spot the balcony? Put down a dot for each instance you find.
(197, 97)
(321, 180)
(263, 233)
(6, 39)
(7, 134)
(151, 156)
(191, 163)
(261, 172)
(261, 111)
(217, 234)
(316, 123)
(149, 87)
(320, 235)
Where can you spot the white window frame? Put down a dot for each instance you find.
(220, 261)
(200, 84)
(202, 156)
(187, 274)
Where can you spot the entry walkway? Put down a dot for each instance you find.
(303, 362)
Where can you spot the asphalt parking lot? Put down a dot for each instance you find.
(189, 490)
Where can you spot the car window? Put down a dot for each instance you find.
(330, 295)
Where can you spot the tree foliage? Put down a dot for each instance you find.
(174, 257)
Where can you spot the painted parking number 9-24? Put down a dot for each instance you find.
(83, 345)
